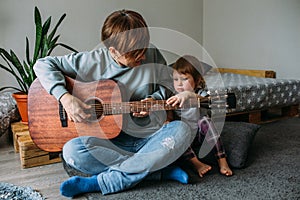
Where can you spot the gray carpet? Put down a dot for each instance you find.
(272, 172)
(12, 192)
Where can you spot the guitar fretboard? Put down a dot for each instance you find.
(138, 106)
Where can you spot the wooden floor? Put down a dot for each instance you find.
(45, 179)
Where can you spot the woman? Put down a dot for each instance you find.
(145, 143)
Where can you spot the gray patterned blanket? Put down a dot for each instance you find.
(253, 93)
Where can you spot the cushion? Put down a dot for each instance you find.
(237, 138)
(8, 111)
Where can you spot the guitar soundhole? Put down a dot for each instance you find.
(96, 110)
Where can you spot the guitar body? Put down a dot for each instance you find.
(45, 126)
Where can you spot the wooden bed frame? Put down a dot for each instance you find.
(260, 116)
(250, 72)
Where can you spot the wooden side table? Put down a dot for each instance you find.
(30, 154)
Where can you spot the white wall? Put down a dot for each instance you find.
(256, 34)
(81, 27)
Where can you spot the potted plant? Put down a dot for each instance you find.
(45, 43)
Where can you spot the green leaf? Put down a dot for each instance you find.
(8, 70)
(27, 51)
(67, 47)
(26, 67)
(30, 72)
(56, 26)
(38, 33)
(45, 30)
(11, 87)
(18, 79)
(46, 26)
(52, 45)
(44, 49)
(63, 45)
(6, 54)
(16, 62)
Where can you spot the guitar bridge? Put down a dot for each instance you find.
(63, 116)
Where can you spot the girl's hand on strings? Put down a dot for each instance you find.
(180, 98)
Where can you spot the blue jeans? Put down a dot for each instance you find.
(123, 162)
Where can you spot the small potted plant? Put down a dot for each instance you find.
(45, 43)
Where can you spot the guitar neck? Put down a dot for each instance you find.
(158, 105)
(147, 106)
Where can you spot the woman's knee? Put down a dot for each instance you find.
(73, 147)
(183, 131)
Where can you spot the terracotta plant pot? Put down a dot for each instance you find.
(21, 99)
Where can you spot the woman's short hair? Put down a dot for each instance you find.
(127, 32)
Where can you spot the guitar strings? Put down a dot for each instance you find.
(127, 107)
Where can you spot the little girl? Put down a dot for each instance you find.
(189, 83)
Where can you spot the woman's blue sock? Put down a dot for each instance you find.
(78, 185)
(175, 173)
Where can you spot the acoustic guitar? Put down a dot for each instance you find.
(50, 128)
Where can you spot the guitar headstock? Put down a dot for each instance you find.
(219, 100)
(231, 100)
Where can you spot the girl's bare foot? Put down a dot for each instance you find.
(203, 169)
(224, 168)
(200, 166)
